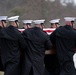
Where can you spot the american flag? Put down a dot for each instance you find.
(47, 30)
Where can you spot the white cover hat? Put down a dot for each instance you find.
(69, 18)
(38, 21)
(54, 21)
(14, 18)
(3, 17)
(27, 21)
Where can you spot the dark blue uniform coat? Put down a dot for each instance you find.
(11, 44)
(37, 42)
(65, 40)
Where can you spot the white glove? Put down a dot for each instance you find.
(74, 59)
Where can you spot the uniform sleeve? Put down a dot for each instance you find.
(22, 43)
(24, 34)
(75, 46)
(75, 42)
(53, 37)
(48, 44)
